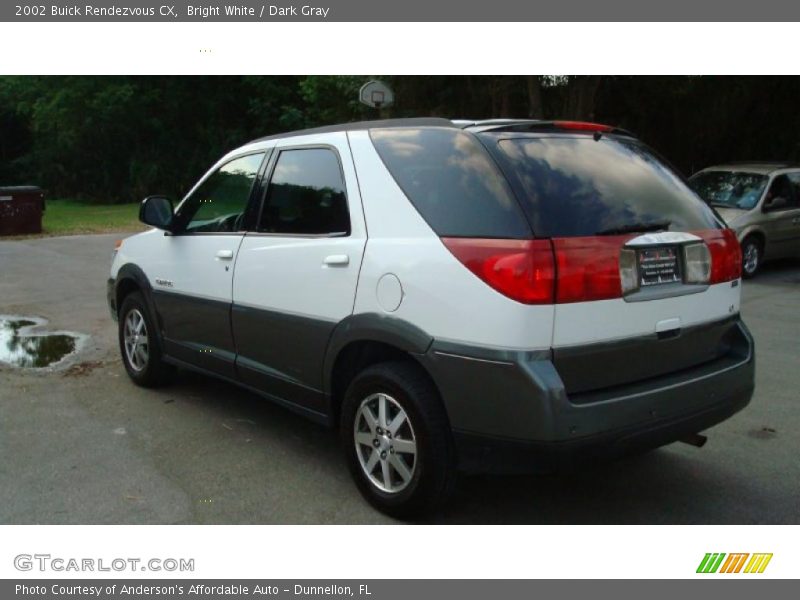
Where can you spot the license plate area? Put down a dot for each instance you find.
(658, 265)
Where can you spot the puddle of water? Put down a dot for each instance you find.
(22, 347)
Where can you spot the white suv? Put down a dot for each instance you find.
(475, 296)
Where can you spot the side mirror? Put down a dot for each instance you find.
(157, 212)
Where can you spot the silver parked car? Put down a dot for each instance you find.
(760, 202)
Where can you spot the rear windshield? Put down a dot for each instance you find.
(452, 181)
(729, 189)
(580, 186)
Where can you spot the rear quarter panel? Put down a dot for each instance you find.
(439, 294)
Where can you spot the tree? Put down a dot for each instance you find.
(115, 139)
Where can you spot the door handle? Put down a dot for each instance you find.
(225, 254)
(336, 260)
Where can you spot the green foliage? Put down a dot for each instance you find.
(116, 139)
(67, 217)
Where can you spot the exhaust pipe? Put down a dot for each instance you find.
(695, 439)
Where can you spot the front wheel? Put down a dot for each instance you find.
(139, 346)
(752, 254)
(397, 439)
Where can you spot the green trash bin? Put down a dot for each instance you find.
(21, 209)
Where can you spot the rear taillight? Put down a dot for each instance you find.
(696, 263)
(628, 271)
(726, 254)
(582, 269)
(520, 269)
(588, 268)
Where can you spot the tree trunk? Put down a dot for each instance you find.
(535, 107)
(505, 97)
(580, 98)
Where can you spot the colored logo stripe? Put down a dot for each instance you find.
(758, 563)
(733, 564)
(710, 562)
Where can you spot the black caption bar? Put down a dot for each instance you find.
(402, 10)
(394, 589)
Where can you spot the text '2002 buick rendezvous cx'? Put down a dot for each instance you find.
(496, 296)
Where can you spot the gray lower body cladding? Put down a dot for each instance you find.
(511, 412)
(111, 297)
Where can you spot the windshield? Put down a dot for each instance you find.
(729, 189)
(581, 186)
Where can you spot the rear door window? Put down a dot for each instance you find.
(452, 181)
(581, 186)
(795, 179)
(780, 195)
(306, 195)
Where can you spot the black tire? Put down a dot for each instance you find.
(154, 372)
(433, 472)
(752, 256)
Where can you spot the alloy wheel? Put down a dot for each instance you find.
(137, 349)
(750, 258)
(385, 443)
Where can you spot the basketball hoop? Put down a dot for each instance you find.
(376, 94)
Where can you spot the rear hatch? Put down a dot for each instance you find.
(646, 279)
(641, 275)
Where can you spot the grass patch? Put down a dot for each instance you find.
(69, 217)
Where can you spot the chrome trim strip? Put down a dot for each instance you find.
(663, 237)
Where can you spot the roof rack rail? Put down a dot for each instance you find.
(361, 126)
(466, 123)
(778, 164)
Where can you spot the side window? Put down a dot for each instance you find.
(306, 194)
(452, 181)
(795, 179)
(780, 195)
(219, 203)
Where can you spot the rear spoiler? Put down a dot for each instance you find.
(557, 125)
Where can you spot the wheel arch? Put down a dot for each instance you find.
(756, 233)
(360, 341)
(131, 278)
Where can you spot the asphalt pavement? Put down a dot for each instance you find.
(81, 444)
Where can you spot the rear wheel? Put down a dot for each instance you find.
(752, 255)
(139, 346)
(397, 439)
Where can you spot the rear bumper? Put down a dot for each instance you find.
(482, 454)
(510, 411)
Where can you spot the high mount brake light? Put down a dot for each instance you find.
(583, 126)
(523, 270)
